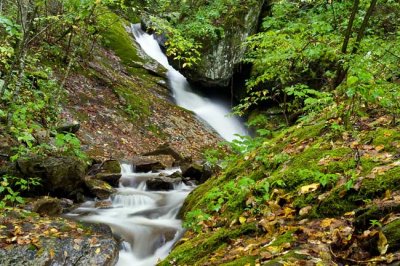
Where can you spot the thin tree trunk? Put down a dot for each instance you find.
(341, 74)
(350, 26)
(361, 31)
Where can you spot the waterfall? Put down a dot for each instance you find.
(215, 113)
(145, 220)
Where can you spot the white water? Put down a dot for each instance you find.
(215, 113)
(145, 220)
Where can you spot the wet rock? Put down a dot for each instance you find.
(95, 246)
(145, 165)
(175, 175)
(70, 128)
(108, 171)
(112, 179)
(196, 171)
(60, 176)
(67, 205)
(111, 166)
(162, 183)
(48, 206)
(98, 188)
(104, 204)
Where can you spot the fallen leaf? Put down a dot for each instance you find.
(379, 147)
(382, 243)
(309, 188)
(326, 222)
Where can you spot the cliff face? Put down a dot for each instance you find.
(219, 57)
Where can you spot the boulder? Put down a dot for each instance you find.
(162, 183)
(60, 176)
(176, 175)
(197, 172)
(69, 128)
(108, 171)
(145, 165)
(94, 244)
(111, 166)
(98, 188)
(48, 206)
(112, 179)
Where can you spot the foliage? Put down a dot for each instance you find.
(40, 44)
(11, 186)
(298, 59)
(189, 24)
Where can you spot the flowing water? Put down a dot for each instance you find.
(145, 220)
(215, 112)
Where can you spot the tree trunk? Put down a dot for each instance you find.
(361, 31)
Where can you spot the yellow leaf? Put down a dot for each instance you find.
(379, 147)
(97, 250)
(51, 253)
(309, 188)
(242, 220)
(326, 222)
(382, 243)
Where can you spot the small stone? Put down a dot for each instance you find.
(304, 211)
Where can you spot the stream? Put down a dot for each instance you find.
(146, 221)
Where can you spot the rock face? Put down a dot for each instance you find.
(97, 247)
(219, 59)
(60, 176)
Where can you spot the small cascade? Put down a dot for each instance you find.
(145, 220)
(213, 112)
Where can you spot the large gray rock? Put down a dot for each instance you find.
(219, 58)
(143, 164)
(95, 245)
(162, 183)
(60, 176)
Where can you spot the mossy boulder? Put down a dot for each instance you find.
(98, 188)
(111, 166)
(48, 206)
(60, 176)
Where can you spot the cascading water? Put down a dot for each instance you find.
(216, 114)
(145, 220)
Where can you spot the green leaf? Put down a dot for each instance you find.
(351, 80)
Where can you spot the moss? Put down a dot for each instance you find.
(136, 105)
(247, 260)
(116, 38)
(287, 237)
(393, 235)
(196, 250)
(335, 205)
(290, 258)
(375, 187)
(340, 201)
(388, 137)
